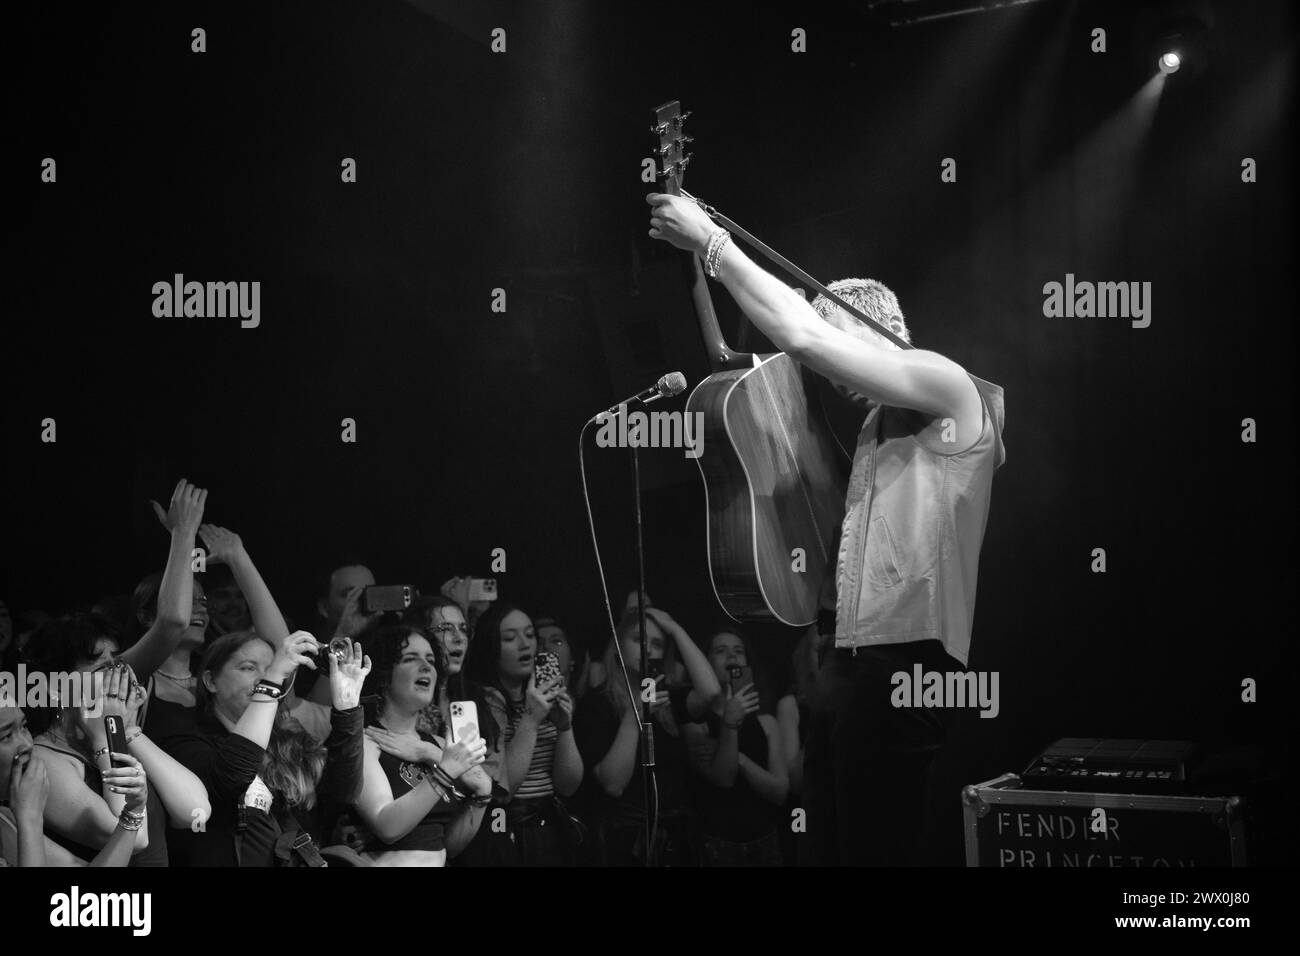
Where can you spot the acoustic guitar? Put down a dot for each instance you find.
(774, 476)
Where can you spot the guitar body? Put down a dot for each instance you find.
(774, 480)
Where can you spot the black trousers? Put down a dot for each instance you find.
(866, 762)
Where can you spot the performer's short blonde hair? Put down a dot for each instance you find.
(871, 298)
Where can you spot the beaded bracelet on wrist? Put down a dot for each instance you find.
(713, 256)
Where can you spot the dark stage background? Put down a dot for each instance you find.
(521, 171)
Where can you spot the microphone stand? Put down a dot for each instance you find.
(647, 728)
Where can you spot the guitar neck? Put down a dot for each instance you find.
(668, 126)
(721, 355)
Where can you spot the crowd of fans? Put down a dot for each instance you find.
(248, 743)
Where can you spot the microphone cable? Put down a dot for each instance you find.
(652, 811)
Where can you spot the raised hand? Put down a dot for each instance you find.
(184, 513)
(459, 757)
(352, 622)
(88, 716)
(135, 699)
(562, 711)
(29, 788)
(476, 780)
(347, 675)
(661, 696)
(736, 707)
(679, 221)
(656, 706)
(456, 589)
(130, 781)
(538, 700)
(293, 653)
(662, 618)
(122, 694)
(222, 544)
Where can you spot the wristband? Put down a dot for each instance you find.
(449, 785)
(101, 752)
(130, 739)
(282, 686)
(130, 821)
(732, 726)
(273, 691)
(445, 794)
(443, 778)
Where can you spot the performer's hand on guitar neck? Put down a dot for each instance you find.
(680, 222)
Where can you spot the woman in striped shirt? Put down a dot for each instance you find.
(542, 761)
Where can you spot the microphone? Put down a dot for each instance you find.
(674, 383)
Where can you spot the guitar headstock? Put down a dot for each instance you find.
(673, 158)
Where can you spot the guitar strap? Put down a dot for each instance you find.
(785, 264)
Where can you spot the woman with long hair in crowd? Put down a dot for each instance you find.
(25, 791)
(421, 799)
(739, 757)
(82, 811)
(444, 619)
(271, 784)
(609, 736)
(542, 760)
(172, 693)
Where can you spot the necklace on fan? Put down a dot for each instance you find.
(187, 679)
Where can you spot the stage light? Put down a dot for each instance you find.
(1174, 36)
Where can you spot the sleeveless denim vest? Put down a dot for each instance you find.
(914, 522)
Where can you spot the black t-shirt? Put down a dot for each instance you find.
(738, 813)
(164, 719)
(228, 765)
(595, 728)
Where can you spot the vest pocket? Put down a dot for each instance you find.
(882, 557)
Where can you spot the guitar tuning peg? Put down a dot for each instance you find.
(686, 139)
(660, 129)
(663, 150)
(680, 119)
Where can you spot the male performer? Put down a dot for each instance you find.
(918, 499)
